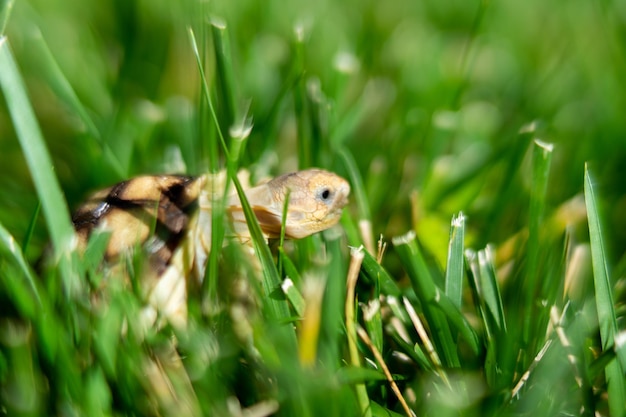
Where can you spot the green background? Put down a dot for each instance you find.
(434, 101)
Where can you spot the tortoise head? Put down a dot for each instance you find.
(315, 201)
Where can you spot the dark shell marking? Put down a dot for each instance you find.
(147, 209)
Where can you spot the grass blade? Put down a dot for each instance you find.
(604, 301)
(426, 290)
(9, 247)
(206, 93)
(356, 256)
(365, 223)
(278, 309)
(488, 301)
(294, 296)
(31, 227)
(309, 328)
(454, 269)
(317, 105)
(377, 274)
(620, 348)
(271, 280)
(474, 272)
(542, 156)
(33, 145)
(38, 160)
(210, 283)
(303, 122)
(381, 362)
(489, 288)
(224, 71)
(5, 13)
(330, 351)
(437, 306)
(373, 321)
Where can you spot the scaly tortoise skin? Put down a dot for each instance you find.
(169, 216)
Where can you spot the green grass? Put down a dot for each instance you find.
(484, 141)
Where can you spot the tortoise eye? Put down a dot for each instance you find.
(325, 194)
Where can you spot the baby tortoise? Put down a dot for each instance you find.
(169, 216)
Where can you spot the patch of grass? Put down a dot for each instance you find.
(483, 141)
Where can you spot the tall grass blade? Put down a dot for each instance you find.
(362, 203)
(6, 6)
(294, 296)
(620, 348)
(333, 303)
(31, 227)
(542, 156)
(373, 321)
(208, 146)
(317, 105)
(357, 183)
(218, 231)
(206, 93)
(454, 269)
(489, 288)
(303, 122)
(33, 145)
(310, 312)
(356, 256)
(227, 95)
(10, 249)
(282, 256)
(271, 280)
(604, 301)
(210, 283)
(474, 273)
(486, 295)
(375, 272)
(38, 160)
(427, 292)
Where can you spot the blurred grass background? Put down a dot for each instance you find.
(428, 97)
